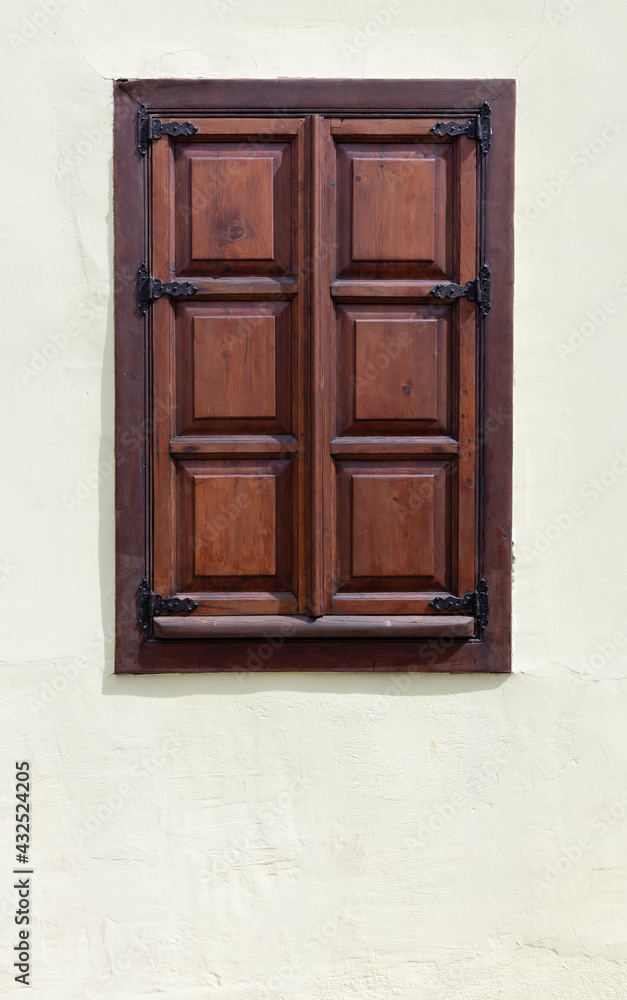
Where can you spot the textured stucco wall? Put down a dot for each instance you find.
(317, 837)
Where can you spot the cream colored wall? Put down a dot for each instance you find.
(317, 837)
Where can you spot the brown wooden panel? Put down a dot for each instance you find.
(232, 207)
(229, 544)
(385, 543)
(407, 385)
(234, 525)
(395, 209)
(234, 367)
(235, 206)
(394, 526)
(394, 369)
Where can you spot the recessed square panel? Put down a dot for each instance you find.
(393, 525)
(394, 520)
(393, 208)
(396, 369)
(232, 205)
(396, 210)
(235, 525)
(234, 366)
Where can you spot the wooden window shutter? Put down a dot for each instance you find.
(323, 377)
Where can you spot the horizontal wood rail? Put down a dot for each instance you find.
(326, 627)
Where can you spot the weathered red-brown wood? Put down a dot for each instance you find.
(214, 429)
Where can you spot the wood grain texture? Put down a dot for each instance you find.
(294, 626)
(232, 207)
(388, 544)
(393, 208)
(395, 211)
(354, 290)
(234, 362)
(393, 369)
(395, 519)
(233, 444)
(131, 409)
(348, 97)
(393, 447)
(234, 367)
(235, 525)
(234, 204)
(407, 384)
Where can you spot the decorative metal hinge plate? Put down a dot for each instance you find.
(479, 127)
(475, 604)
(477, 290)
(149, 288)
(154, 604)
(153, 128)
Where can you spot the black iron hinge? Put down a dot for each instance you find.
(477, 290)
(153, 128)
(154, 604)
(475, 604)
(478, 127)
(149, 288)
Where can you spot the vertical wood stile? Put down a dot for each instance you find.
(469, 317)
(317, 311)
(160, 319)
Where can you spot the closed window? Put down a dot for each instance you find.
(313, 329)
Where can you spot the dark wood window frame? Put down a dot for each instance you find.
(140, 650)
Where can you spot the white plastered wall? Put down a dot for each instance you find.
(317, 837)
